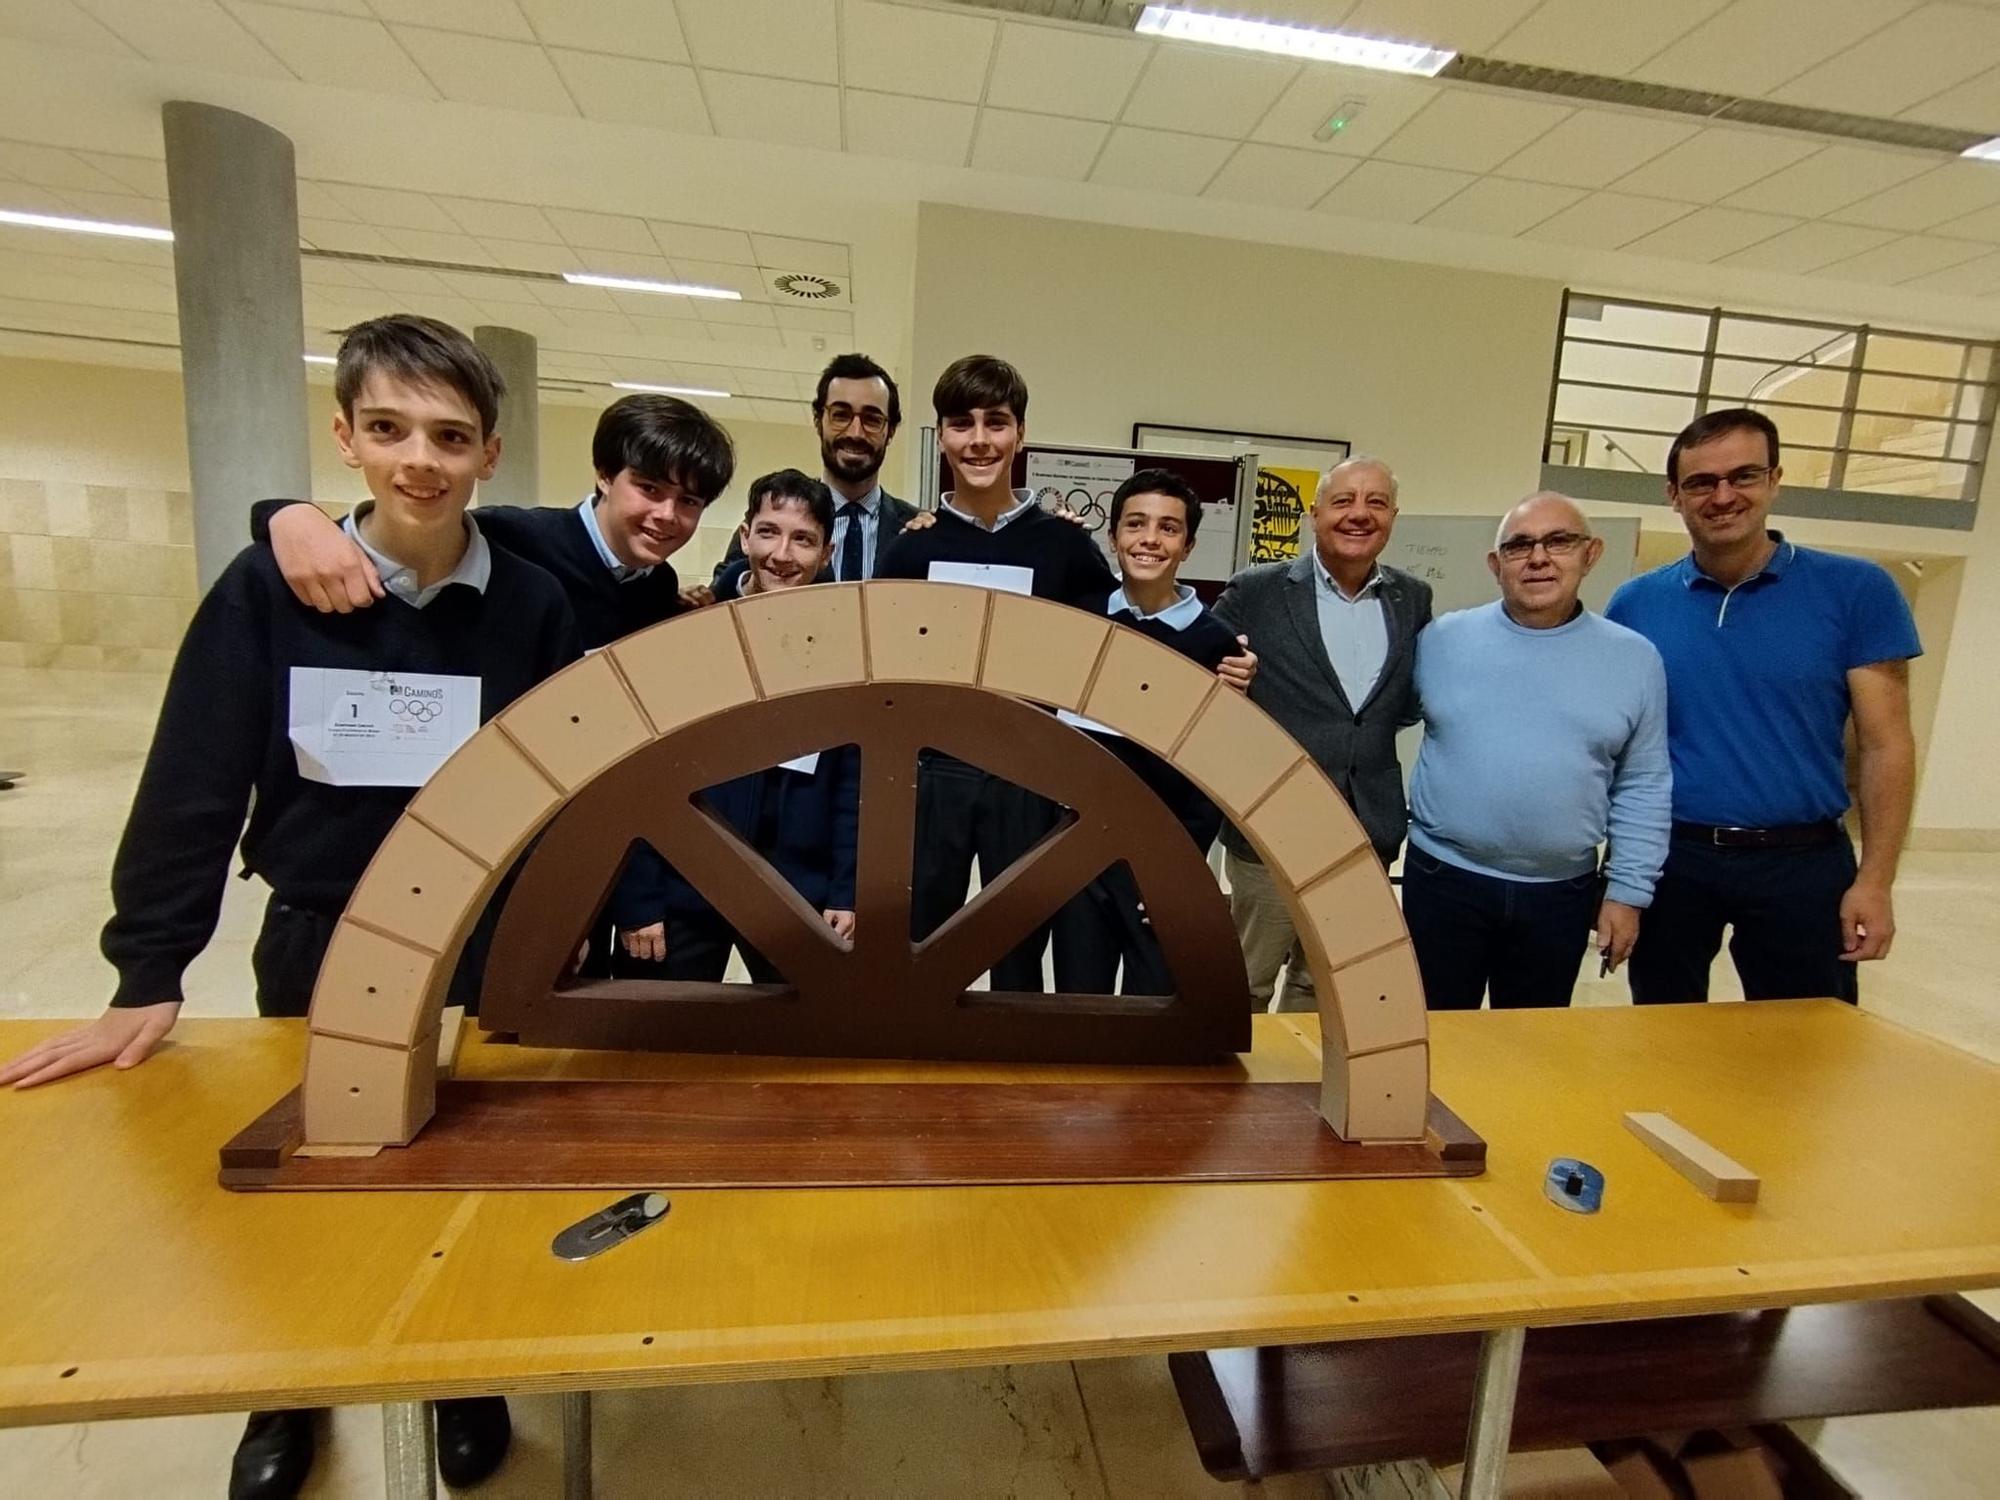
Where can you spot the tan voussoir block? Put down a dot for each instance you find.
(1303, 826)
(1146, 691)
(1375, 1003)
(420, 888)
(487, 797)
(1040, 651)
(687, 668)
(373, 988)
(1236, 752)
(924, 632)
(578, 722)
(805, 638)
(1353, 910)
(364, 1094)
(1381, 1096)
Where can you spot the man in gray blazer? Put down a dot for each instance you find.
(1335, 634)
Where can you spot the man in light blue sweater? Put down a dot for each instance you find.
(1545, 731)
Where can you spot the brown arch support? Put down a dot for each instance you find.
(371, 1060)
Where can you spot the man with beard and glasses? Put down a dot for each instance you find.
(856, 412)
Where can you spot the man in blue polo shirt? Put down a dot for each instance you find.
(1769, 647)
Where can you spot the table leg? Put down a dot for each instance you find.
(576, 1445)
(1492, 1413)
(409, 1450)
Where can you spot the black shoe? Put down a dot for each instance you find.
(473, 1434)
(274, 1457)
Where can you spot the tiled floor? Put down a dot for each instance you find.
(1099, 1428)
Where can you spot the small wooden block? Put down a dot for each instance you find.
(420, 888)
(1353, 911)
(924, 632)
(1040, 651)
(1718, 1176)
(687, 668)
(487, 798)
(1303, 826)
(1379, 1001)
(804, 638)
(1236, 752)
(1379, 1096)
(372, 988)
(1146, 691)
(451, 1033)
(578, 722)
(361, 1094)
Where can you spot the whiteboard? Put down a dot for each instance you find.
(1449, 553)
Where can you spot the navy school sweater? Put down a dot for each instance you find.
(1206, 641)
(1067, 564)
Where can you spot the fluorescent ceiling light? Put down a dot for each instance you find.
(666, 288)
(86, 226)
(1984, 151)
(668, 390)
(1292, 41)
(320, 359)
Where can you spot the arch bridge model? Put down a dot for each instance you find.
(632, 731)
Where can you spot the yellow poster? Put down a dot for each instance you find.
(1283, 497)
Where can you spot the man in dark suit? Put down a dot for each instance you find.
(856, 412)
(1335, 634)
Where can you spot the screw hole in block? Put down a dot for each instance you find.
(416, 890)
(1145, 687)
(923, 630)
(70, 1371)
(576, 718)
(354, 1088)
(1352, 1298)
(371, 989)
(437, 1255)
(647, 1339)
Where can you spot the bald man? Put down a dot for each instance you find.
(1545, 734)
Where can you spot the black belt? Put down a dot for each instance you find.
(1791, 836)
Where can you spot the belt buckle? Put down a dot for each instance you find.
(1733, 836)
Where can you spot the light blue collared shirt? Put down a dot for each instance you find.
(475, 564)
(1183, 612)
(1355, 631)
(619, 571)
(1024, 501)
(871, 529)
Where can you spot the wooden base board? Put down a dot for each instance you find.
(673, 1135)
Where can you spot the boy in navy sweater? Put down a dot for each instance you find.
(1154, 518)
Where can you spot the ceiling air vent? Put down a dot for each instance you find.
(806, 288)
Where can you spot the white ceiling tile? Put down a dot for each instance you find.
(340, 51)
(317, 202)
(1972, 105)
(493, 293)
(433, 244)
(1386, 101)
(1948, 192)
(1402, 195)
(1493, 205)
(531, 255)
(404, 279)
(747, 280)
(332, 234)
(1601, 36)
(1207, 91)
(779, 38)
(482, 70)
(627, 28)
(1604, 221)
(916, 129)
(1830, 179)
(1595, 147)
(1471, 132)
(1719, 161)
(1972, 278)
(1808, 247)
(139, 174)
(634, 91)
(593, 231)
(1036, 145)
(194, 33)
(738, 314)
(1710, 233)
(1902, 260)
(1278, 177)
(494, 18)
(49, 167)
(489, 219)
(932, 54)
(1043, 69)
(1467, 25)
(1752, 46)
(1984, 226)
(566, 298)
(389, 208)
(814, 319)
(773, 109)
(741, 341)
(701, 242)
(119, 208)
(1163, 161)
(1912, 58)
(820, 257)
(58, 23)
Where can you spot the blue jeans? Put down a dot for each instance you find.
(1520, 940)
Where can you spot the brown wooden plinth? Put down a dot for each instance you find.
(703, 1134)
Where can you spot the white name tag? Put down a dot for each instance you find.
(1002, 576)
(352, 728)
(1078, 721)
(805, 765)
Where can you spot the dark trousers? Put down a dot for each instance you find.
(1782, 907)
(697, 949)
(964, 813)
(292, 943)
(1102, 926)
(1519, 940)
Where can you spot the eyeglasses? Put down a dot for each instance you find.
(1701, 486)
(839, 418)
(1556, 544)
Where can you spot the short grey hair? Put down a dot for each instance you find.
(1500, 532)
(1357, 461)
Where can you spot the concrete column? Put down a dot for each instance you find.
(518, 479)
(233, 193)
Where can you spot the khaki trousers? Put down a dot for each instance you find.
(1270, 943)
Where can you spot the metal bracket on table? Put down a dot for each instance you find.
(610, 1226)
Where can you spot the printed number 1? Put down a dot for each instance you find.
(353, 710)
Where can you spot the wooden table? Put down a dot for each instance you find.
(137, 1287)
